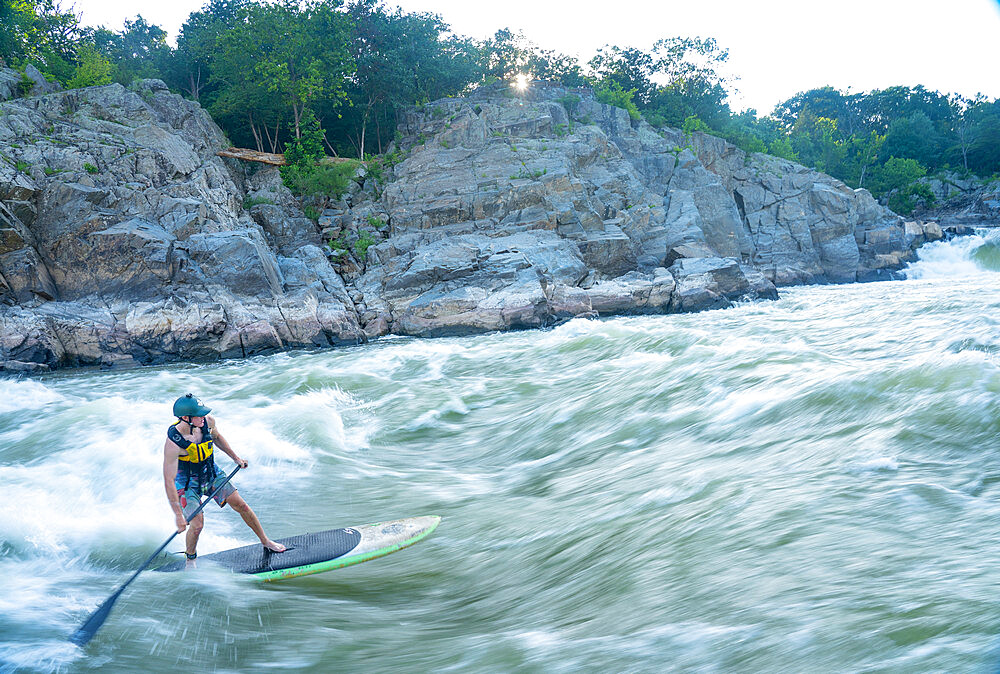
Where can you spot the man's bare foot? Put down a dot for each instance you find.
(274, 547)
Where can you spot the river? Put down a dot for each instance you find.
(811, 484)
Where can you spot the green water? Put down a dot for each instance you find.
(806, 485)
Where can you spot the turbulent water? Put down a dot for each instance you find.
(811, 484)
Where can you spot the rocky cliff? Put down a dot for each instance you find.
(125, 239)
(962, 202)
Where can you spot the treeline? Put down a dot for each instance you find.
(267, 70)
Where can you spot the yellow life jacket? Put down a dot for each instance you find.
(196, 453)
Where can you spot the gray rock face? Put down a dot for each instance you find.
(804, 226)
(42, 85)
(123, 238)
(962, 201)
(10, 81)
(515, 211)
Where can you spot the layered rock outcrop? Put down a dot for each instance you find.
(962, 202)
(512, 210)
(125, 239)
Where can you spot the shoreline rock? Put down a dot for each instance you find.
(124, 239)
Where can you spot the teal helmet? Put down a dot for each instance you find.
(189, 406)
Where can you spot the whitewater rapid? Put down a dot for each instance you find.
(811, 484)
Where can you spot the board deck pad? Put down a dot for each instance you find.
(322, 551)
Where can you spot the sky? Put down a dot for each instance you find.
(777, 48)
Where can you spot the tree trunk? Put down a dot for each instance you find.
(332, 151)
(273, 142)
(297, 114)
(194, 84)
(364, 124)
(256, 136)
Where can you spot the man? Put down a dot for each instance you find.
(189, 471)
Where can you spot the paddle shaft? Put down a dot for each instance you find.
(89, 628)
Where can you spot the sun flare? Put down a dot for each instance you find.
(521, 81)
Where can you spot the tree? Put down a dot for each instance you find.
(297, 52)
(40, 32)
(18, 31)
(625, 69)
(984, 151)
(504, 55)
(816, 141)
(914, 137)
(140, 50)
(399, 59)
(549, 65)
(611, 92)
(896, 173)
(190, 69)
(862, 154)
(94, 69)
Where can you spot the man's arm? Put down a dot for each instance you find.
(223, 444)
(170, 453)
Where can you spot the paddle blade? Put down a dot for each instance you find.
(88, 629)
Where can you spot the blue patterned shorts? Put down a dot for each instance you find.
(191, 493)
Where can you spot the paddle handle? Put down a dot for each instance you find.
(89, 628)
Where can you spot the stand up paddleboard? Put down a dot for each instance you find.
(323, 551)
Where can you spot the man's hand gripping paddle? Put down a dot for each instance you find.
(87, 630)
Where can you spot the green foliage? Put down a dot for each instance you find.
(140, 50)
(22, 166)
(913, 137)
(90, 168)
(611, 93)
(338, 248)
(525, 174)
(781, 147)
(903, 201)
(376, 222)
(377, 167)
(311, 212)
(692, 124)
(25, 86)
(93, 69)
(323, 180)
(570, 102)
(364, 242)
(306, 151)
(896, 174)
(250, 202)
(42, 33)
(17, 29)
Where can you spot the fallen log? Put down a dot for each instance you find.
(253, 155)
(269, 158)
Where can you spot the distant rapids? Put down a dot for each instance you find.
(806, 485)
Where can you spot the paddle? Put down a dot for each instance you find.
(88, 629)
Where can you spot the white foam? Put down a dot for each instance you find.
(25, 394)
(875, 464)
(948, 259)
